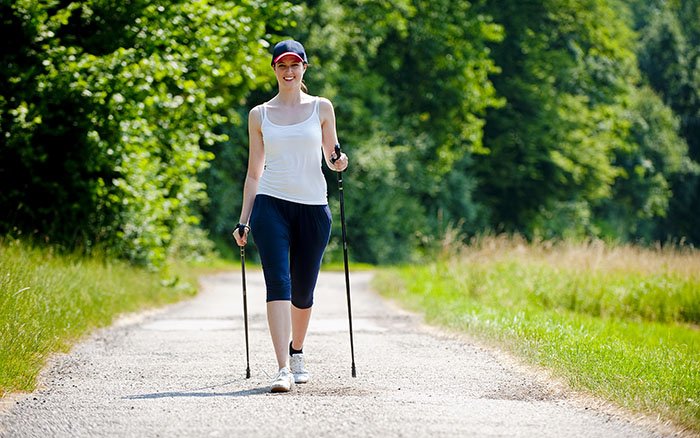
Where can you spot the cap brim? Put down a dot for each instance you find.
(274, 61)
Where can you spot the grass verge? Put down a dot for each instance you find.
(621, 322)
(48, 301)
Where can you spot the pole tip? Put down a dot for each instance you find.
(247, 373)
(354, 373)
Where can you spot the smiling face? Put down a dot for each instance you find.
(289, 71)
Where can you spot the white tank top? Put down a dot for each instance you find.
(293, 157)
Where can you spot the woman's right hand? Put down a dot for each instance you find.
(241, 240)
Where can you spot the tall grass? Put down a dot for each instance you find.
(48, 301)
(620, 321)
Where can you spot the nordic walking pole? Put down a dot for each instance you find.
(345, 253)
(241, 232)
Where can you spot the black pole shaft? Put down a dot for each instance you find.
(345, 259)
(245, 314)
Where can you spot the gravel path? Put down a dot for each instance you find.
(180, 371)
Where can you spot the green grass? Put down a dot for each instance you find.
(352, 266)
(621, 323)
(49, 301)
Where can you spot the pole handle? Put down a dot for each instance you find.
(336, 155)
(241, 229)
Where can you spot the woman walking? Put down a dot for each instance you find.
(285, 203)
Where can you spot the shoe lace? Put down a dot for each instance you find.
(282, 374)
(297, 363)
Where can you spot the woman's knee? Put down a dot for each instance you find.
(303, 301)
(278, 290)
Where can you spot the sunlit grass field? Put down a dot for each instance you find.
(48, 301)
(621, 322)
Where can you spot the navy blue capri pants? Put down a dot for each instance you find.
(291, 239)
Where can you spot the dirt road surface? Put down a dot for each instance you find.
(180, 372)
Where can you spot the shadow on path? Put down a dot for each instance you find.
(199, 392)
(243, 393)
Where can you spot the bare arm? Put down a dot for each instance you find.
(330, 136)
(256, 163)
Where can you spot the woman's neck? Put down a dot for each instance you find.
(289, 97)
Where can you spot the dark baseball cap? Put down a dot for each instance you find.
(289, 47)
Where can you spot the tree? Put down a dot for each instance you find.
(669, 58)
(654, 157)
(105, 106)
(555, 150)
(408, 79)
(415, 86)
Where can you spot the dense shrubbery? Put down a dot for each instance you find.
(550, 119)
(477, 117)
(105, 108)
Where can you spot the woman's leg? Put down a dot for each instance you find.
(270, 229)
(278, 320)
(300, 325)
(308, 241)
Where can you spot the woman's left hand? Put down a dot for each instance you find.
(341, 163)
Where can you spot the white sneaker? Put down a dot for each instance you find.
(296, 363)
(283, 382)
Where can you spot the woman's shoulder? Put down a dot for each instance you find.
(255, 114)
(323, 101)
(324, 104)
(310, 98)
(257, 109)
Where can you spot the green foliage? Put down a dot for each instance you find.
(409, 120)
(105, 135)
(655, 156)
(565, 68)
(224, 180)
(123, 124)
(409, 80)
(669, 57)
(385, 225)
